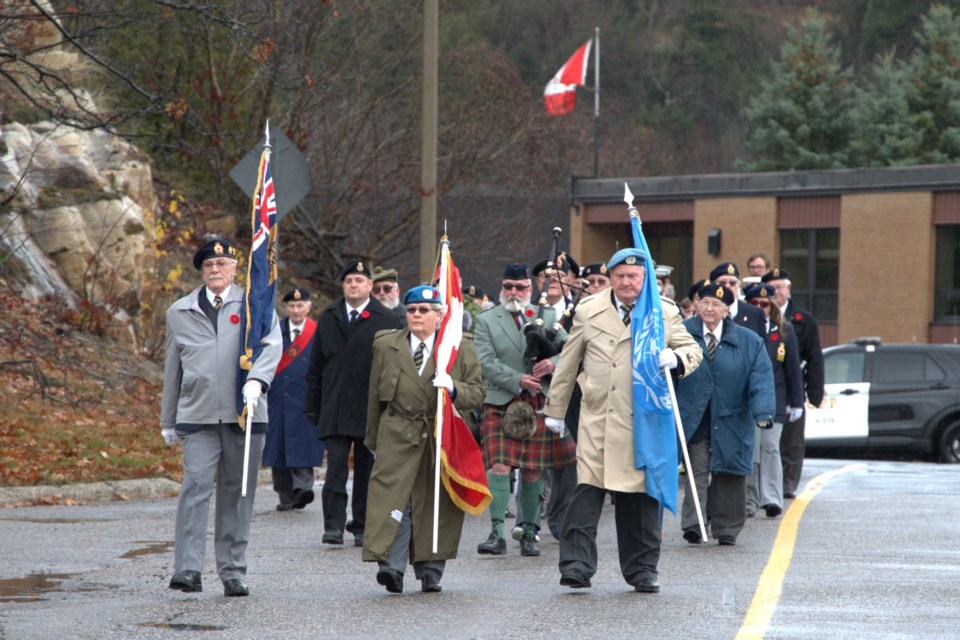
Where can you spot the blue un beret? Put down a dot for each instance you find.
(423, 293)
(627, 256)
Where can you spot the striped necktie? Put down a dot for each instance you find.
(418, 356)
(627, 308)
(217, 302)
(711, 346)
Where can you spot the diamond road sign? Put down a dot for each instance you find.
(291, 173)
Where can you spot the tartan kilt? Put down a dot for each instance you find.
(541, 451)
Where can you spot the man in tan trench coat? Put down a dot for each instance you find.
(600, 342)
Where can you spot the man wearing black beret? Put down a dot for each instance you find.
(744, 315)
(336, 399)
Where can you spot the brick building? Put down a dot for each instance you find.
(870, 251)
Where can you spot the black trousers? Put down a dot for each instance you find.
(334, 493)
(638, 533)
(792, 449)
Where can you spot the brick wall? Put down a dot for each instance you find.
(748, 225)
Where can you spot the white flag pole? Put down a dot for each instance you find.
(444, 248)
(686, 454)
(246, 451)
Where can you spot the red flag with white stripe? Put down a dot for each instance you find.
(561, 91)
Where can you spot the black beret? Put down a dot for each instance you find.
(725, 269)
(695, 288)
(541, 266)
(516, 271)
(775, 274)
(594, 269)
(718, 291)
(297, 294)
(360, 267)
(213, 248)
(571, 264)
(473, 291)
(758, 290)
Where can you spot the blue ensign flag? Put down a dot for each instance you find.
(654, 429)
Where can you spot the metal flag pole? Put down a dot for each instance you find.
(628, 198)
(444, 248)
(596, 105)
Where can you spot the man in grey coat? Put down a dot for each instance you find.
(199, 409)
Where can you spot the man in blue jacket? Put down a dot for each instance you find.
(722, 403)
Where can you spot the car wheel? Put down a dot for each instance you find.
(950, 443)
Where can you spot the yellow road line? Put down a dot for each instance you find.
(770, 585)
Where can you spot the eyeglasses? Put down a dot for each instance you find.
(757, 302)
(518, 287)
(712, 303)
(383, 288)
(219, 264)
(728, 282)
(421, 310)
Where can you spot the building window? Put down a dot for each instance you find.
(812, 258)
(946, 288)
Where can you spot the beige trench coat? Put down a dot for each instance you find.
(600, 341)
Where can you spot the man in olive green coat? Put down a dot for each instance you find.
(400, 431)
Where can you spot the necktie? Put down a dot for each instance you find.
(354, 314)
(711, 346)
(627, 308)
(516, 318)
(418, 356)
(217, 301)
(296, 333)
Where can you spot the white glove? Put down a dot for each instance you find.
(251, 393)
(170, 436)
(668, 359)
(794, 413)
(555, 424)
(443, 381)
(765, 424)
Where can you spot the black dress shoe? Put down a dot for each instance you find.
(358, 539)
(302, 497)
(528, 546)
(188, 581)
(235, 587)
(574, 580)
(692, 536)
(789, 494)
(284, 506)
(391, 579)
(647, 585)
(333, 537)
(727, 541)
(495, 545)
(772, 510)
(430, 583)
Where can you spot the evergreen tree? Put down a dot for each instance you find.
(884, 131)
(933, 87)
(801, 117)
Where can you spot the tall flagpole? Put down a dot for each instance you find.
(596, 105)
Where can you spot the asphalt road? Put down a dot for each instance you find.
(874, 555)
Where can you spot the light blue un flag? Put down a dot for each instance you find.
(654, 429)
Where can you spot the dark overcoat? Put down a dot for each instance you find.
(738, 386)
(787, 377)
(400, 430)
(339, 371)
(811, 355)
(292, 440)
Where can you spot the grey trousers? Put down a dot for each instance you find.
(215, 452)
(700, 468)
(286, 480)
(792, 449)
(399, 553)
(765, 484)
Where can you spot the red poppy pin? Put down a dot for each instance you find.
(529, 313)
(235, 319)
(798, 316)
(774, 337)
(364, 314)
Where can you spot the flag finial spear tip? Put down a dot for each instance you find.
(627, 195)
(266, 132)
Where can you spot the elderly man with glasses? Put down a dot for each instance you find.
(727, 274)
(510, 377)
(386, 289)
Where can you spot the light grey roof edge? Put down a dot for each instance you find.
(785, 184)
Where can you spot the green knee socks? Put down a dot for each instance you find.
(530, 503)
(500, 488)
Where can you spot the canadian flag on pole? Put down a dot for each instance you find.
(561, 91)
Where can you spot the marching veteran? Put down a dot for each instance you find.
(199, 408)
(400, 432)
(292, 449)
(600, 342)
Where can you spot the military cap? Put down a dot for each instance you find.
(423, 293)
(594, 269)
(695, 288)
(718, 291)
(516, 271)
(572, 266)
(359, 267)
(725, 269)
(213, 248)
(662, 271)
(541, 266)
(384, 275)
(757, 290)
(627, 256)
(296, 294)
(473, 291)
(775, 274)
